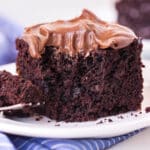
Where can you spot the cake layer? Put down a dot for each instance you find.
(80, 88)
(16, 90)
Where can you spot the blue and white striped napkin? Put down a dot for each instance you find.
(13, 142)
(9, 31)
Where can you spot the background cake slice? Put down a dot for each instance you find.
(87, 68)
(135, 14)
(16, 90)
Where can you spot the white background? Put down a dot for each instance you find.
(29, 12)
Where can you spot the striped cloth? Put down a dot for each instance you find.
(13, 142)
(9, 31)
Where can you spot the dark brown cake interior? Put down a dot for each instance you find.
(80, 88)
(16, 90)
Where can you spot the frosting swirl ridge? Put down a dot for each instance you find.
(82, 34)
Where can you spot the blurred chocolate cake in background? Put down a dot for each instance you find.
(136, 15)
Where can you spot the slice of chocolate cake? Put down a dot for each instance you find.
(135, 14)
(86, 67)
(16, 90)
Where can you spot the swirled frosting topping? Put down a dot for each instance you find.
(82, 34)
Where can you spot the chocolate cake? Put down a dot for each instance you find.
(16, 90)
(86, 68)
(135, 14)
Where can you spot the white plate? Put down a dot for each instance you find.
(42, 128)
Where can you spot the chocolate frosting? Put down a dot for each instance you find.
(82, 34)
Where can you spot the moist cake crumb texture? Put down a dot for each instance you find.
(15, 90)
(79, 88)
